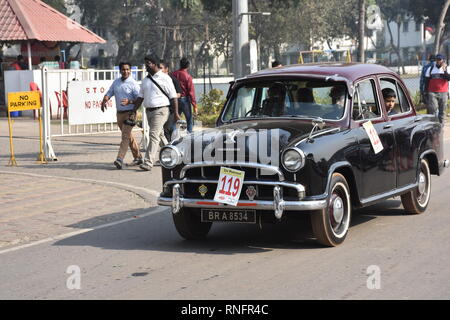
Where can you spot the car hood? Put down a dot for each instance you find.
(269, 137)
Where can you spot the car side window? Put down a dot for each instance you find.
(401, 101)
(404, 103)
(365, 105)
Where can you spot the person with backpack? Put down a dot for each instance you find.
(436, 85)
(423, 92)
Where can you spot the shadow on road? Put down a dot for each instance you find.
(157, 232)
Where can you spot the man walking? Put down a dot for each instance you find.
(126, 91)
(170, 125)
(436, 85)
(423, 91)
(157, 93)
(188, 94)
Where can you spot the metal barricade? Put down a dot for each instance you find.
(55, 93)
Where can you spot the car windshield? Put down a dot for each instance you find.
(287, 98)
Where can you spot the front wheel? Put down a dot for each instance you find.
(189, 226)
(330, 225)
(416, 201)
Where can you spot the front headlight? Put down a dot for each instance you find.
(170, 157)
(293, 159)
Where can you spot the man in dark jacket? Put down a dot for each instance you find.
(170, 125)
(188, 95)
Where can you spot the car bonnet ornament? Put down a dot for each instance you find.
(203, 190)
(250, 192)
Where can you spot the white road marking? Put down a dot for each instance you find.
(71, 234)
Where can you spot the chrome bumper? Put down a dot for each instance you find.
(278, 205)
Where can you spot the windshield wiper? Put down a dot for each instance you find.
(255, 116)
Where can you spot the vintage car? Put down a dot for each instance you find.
(310, 139)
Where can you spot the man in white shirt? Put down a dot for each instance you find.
(156, 101)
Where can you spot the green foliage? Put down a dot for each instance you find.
(416, 100)
(210, 106)
(57, 4)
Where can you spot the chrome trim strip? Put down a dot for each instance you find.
(255, 205)
(300, 188)
(275, 170)
(388, 194)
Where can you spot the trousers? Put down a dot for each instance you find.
(184, 106)
(128, 139)
(156, 119)
(437, 104)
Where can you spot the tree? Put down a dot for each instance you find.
(436, 13)
(395, 11)
(57, 4)
(440, 26)
(361, 30)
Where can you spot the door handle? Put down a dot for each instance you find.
(388, 126)
(417, 119)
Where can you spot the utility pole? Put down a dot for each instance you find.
(361, 27)
(241, 50)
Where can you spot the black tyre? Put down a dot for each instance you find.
(189, 226)
(330, 225)
(416, 201)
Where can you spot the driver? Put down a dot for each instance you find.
(337, 95)
(274, 104)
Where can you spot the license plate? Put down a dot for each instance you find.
(223, 215)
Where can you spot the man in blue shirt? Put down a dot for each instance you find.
(126, 91)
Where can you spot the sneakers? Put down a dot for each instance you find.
(136, 162)
(118, 163)
(145, 166)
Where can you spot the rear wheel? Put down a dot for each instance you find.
(189, 226)
(416, 201)
(330, 225)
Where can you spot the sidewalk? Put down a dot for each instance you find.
(83, 189)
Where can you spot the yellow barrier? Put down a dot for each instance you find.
(20, 101)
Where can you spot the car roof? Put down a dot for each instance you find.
(350, 71)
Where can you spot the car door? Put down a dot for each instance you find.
(403, 123)
(377, 170)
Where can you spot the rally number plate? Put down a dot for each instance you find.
(224, 215)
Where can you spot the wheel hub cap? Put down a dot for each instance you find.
(338, 210)
(422, 183)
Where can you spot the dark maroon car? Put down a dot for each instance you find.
(310, 139)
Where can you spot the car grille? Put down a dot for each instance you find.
(213, 172)
(263, 192)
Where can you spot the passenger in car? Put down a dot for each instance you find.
(305, 95)
(389, 97)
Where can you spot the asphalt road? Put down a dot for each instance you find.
(132, 250)
(144, 258)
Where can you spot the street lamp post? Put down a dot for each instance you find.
(241, 46)
(240, 38)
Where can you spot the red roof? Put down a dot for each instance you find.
(35, 20)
